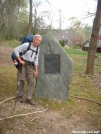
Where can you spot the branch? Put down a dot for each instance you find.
(87, 17)
(72, 112)
(85, 99)
(7, 100)
(91, 13)
(94, 113)
(19, 115)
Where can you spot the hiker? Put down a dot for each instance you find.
(27, 63)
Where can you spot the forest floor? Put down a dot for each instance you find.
(76, 116)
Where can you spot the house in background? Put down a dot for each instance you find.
(85, 46)
(98, 49)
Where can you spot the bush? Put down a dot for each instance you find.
(62, 43)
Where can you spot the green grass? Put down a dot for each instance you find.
(77, 52)
(81, 84)
(8, 80)
(12, 44)
(79, 59)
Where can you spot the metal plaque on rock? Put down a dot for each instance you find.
(52, 63)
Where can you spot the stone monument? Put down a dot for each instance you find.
(55, 70)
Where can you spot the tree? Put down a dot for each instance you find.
(39, 17)
(16, 21)
(74, 25)
(36, 5)
(87, 32)
(9, 16)
(93, 41)
(30, 18)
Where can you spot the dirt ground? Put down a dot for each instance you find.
(26, 119)
(5, 56)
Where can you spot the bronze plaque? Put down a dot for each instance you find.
(52, 63)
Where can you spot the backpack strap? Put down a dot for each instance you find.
(35, 52)
(28, 48)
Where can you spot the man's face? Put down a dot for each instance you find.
(36, 41)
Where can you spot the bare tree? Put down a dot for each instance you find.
(93, 41)
(30, 18)
(36, 5)
(74, 24)
(39, 18)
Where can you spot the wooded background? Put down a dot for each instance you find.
(19, 18)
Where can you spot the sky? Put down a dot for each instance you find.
(69, 8)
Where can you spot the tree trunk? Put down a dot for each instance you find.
(93, 41)
(30, 19)
(1, 12)
(35, 26)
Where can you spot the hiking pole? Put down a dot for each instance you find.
(18, 82)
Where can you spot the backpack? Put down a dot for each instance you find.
(28, 38)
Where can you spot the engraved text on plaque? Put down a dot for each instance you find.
(52, 63)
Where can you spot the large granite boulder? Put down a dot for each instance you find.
(55, 70)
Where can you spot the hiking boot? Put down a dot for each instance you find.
(20, 99)
(29, 101)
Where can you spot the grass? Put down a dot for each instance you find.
(12, 44)
(8, 80)
(79, 58)
(77, 52)
(81, 85)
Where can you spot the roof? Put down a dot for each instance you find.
(98, 44)
(86, 45)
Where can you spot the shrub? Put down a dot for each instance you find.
(62, 43)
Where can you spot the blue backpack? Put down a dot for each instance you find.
(28, 38)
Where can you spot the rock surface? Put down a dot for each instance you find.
(53, 85)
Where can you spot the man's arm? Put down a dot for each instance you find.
(36, 71)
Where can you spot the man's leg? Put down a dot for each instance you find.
(20, 88)
(20, 83)
(30, 81)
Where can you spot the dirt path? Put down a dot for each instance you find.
(5, 56)
(42, 121)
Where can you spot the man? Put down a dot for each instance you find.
(28, 61)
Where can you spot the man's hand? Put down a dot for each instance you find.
(35, 74)
(21, 61)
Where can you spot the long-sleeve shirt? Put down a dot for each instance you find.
(29, 55)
